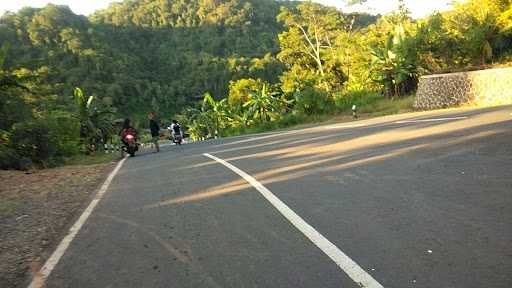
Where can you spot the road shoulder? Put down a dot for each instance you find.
(36, 209)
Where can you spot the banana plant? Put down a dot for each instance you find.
(393, 64)
(263, 105)
(217, 113)
(243, 119)
(95, 124)
(194, 120)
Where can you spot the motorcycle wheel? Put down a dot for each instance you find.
(131, 151)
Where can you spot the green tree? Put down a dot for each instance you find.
(308, 42)
(240, 91)
(476, 25)
(13, 108)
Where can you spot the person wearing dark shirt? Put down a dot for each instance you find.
(155, 130)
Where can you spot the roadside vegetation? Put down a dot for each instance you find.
(220, 67)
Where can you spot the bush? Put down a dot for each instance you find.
(291, 119)
(312, 101)
(66, 132)
(33, 140)
(45, 142)
(9, 158)
(344, 101)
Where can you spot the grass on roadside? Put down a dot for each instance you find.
(287, 121)
(374, 106)
(388, 106)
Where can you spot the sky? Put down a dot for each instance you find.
(419, 8)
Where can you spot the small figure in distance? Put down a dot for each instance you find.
(354, 112)
(176, 132)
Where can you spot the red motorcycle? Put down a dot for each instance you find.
(130, 143)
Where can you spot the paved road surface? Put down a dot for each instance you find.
(418, 200)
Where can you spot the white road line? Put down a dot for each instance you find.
(344, 126)
(431, 120)
(39, 279)
(354, 271)
(265, 137)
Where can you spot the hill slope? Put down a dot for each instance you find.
(151, 54)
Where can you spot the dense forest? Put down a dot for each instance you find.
(220, 66)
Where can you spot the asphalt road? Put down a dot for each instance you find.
(414, 203)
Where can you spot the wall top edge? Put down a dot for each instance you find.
(506, 69)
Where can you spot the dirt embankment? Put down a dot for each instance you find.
(36, 208)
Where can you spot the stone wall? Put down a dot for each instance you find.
(478, 88)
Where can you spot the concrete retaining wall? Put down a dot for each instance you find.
(478, 88)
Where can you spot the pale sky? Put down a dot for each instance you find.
(419, 8)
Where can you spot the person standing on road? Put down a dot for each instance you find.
(155, 131)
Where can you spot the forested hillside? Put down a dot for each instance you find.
(147, 54)
(223, 65)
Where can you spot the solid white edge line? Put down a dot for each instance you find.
(40, 277)
(430, 120)
(351, 268)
